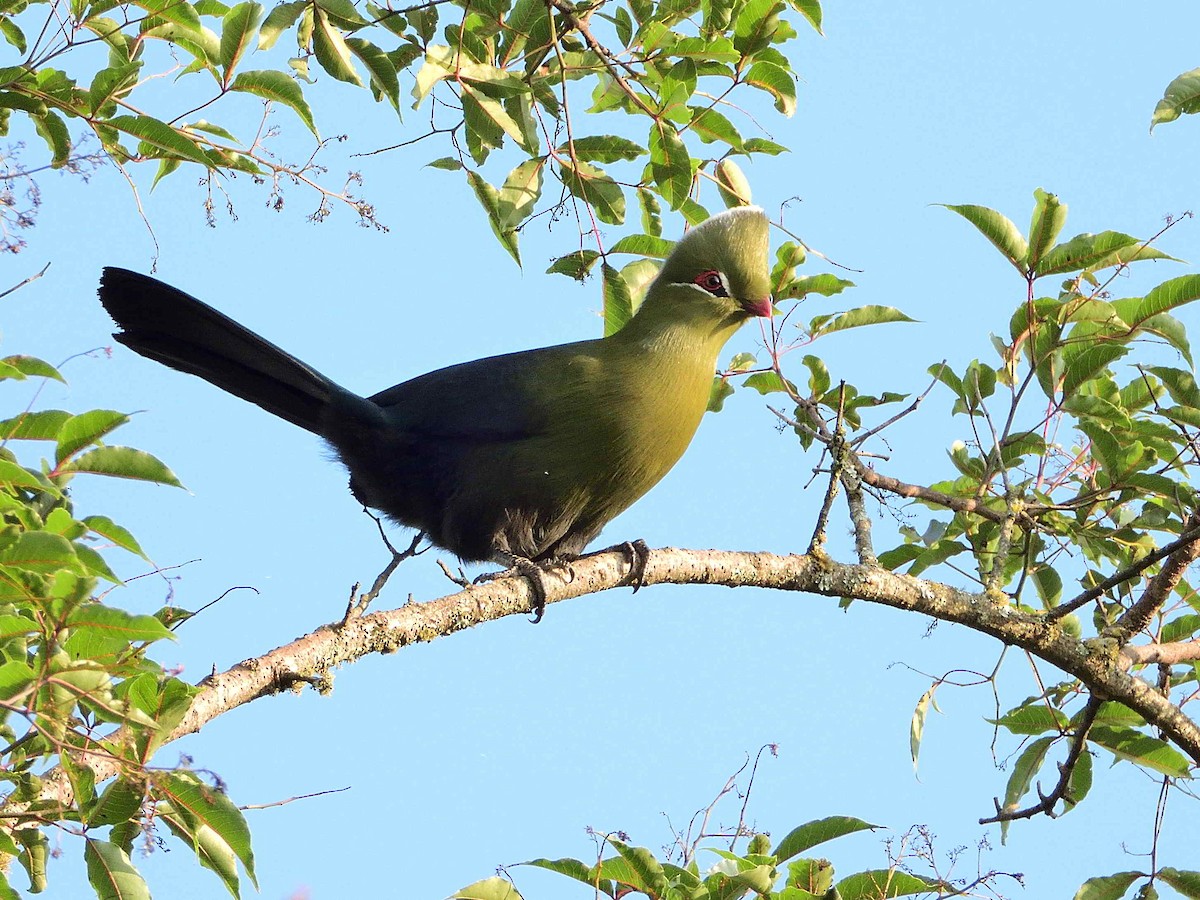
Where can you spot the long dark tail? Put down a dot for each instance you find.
(167, 325)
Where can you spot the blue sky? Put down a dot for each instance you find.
(504, 743)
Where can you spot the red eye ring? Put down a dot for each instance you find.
(713, 282)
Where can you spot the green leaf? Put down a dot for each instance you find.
(595, 188)
(520, 192)
(520, 110)
(1181, 385)
(13, 34)
(1092, 252)
(776, 81)
(53, 130)
(1028, 764)
(1049, 586)
(811, 10)
(112, 622)
(603, 148)
(15, 677)
(17, 626)
(109, 84)
(20, 367)
(1187, 883)
(40, 551)
(210, 819)
(997, 228)
(202, 43)
(1083, 361)
(161, 135)
(1141, 749)
(487, 120)
(651, 212)
(331, 51)
(645, 871)
(883, 884)
(1167, 296)
(123, 462)
(489, 199)
(43, 425)
(817, 832)
(84, 430)
(856, 318)
(720, 391)
(1080, 782)
(237, 30)
(643, 245)
(111, 874)
(710, 125)
(276, 86)
(824, 284)
(577, 265)
(494, 888)
(762, 145)
(618, 300)
(14, 475)
(1107, 887)
(174, 11)
(1049, 216)
(1182, 97)
(281, 18)
(1033, 719)
(23, 102)
(380, 67)
(1182, 628)
(670, 163)
(1172, 331)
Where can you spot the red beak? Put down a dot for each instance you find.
(760, 307)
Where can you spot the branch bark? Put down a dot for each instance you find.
(1098, 663)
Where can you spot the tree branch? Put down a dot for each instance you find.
(1163, 654)
(311, 659)
(1189, 537)
(1155, 595)
(1066, 768)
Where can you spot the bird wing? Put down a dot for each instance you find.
(495, 399)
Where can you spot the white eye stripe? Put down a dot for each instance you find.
(711, 281)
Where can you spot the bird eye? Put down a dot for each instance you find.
(713, 282)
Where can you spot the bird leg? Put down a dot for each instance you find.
(535, 572)
(639, 554)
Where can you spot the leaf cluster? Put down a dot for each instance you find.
(496, 74)
(76, 684)
(757, 872)
(1077, 464)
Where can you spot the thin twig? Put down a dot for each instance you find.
(358, 604)
(1190, 536)
(1065, 769)
(1155, 595)
(288, 800)
(911, 408)
(29, 280)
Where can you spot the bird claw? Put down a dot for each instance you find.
(639, 555)
(536, 576)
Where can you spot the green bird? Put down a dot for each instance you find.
(517, 459)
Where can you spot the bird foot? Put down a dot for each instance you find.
(639, 554)
(535, 572)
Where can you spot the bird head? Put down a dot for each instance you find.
(718, 271)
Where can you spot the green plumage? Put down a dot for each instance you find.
(523, 455)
